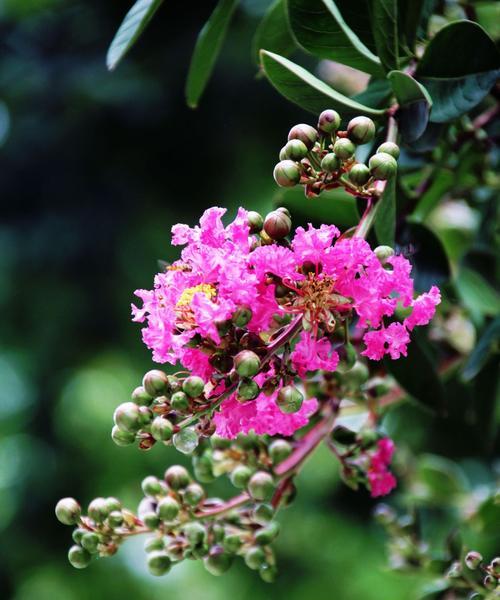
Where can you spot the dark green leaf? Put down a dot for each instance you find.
(479, 356)
(273, 32)
(415, 105)
(320, 28)
(299, 86)
(376, 93)
(206, 51)
(476, 293)
(409, 17)
(385, 32)
(133, 25)
(458, 68)
(439, 186)
(438, 481)
(385, 219)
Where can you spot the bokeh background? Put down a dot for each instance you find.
(94, 169)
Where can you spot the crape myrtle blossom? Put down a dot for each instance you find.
(380, 479)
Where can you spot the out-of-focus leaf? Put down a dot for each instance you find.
(301, 87)
(273, 32)
(409, 17)
(320, 28)
(376, 93)
(385, 32)
(458, 68)
(206, 50)
(476, 293)
(487, 516)
(437, 481)
(441, 184)
(479, 356)
(133, 25)
(486, 400)
(385, 219)
(414, 105)
(433, 590)
(488, 16)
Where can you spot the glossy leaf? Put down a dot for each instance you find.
(133, 25)
(409, 18)
(273, 32)
(320, 28)
(385, 32)
(301, 87)
(376, 94)
(479, 356)
(415, 105)
(206, 51)
(385, 219)
(476, 293)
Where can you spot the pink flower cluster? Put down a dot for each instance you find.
(381, 480)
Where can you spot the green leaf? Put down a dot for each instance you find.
(376, 94)
(273, 32)
(479, 356)
(409, 17)
(415, 105)
(206, 50)
(385, 32)
(458, 68)
(438, 481)
(133, 25)
(303, 88)
(476, 292)
(320, 28)
(385, 219)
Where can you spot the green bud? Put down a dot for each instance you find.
(68, 511)
(356, 376)
(186, 440)
(384, 514)
(263, 513)
(122, 438)
(289, 399)
(284, 210)
(344, 148)
(329, 121)
(495, 566)
(242, 316)
(286, 173)
(454, 571)
(79, 557)
(151, 520)
(255, 221)
(490, 582)
(218, 561)
(151, 486)
(179, 401)
(177, 477)
(255, 557)
(162, 429)
(330, 163)
(343, 435)
(240, 476)
(247, 363)
(113, 504)
(98, 510)
(383, 166)
(218, 532)
(248, 389)
(473, 560)
(279, 450)
(296, 150)
(153, 544)
(115, 519)
(193, 386)
(232, 543)
(267, 534)
(159, 563)
(305, 133)
(141, 397)
(77, 534)
(203, 470)
(155, 383)
(359, 174)
(145, 416)
(261, 485)
(348, 360)
(268, 573)
(195, 533)
(174, 385)
(193, 494)
(219, 443)
(127, 417)
(168, 509)
(90, 541)
(383, 253)
(200, 551)
(389, 148)
(277, 225)
(282, 154)
(361, 130)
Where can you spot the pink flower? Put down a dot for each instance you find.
(312, 244)
(392, 341)
(380, 479)
(424, 308)
(311, 354)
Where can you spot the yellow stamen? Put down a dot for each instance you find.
(188, 294)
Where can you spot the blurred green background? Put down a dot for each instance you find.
(95, 168)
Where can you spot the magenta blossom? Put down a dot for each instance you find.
(380, 479)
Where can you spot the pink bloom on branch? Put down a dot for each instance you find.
(424, 308)
(392, 340)
(311, 354)
(380, 479)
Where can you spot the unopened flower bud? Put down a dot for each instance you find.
(151, 486)
(168, 508)
(268, 573)
(98, 510)
(329, 121)
(217, 562)
(115, 519)
(277, 225)
(159, 563)
(495, 566)
(248, 389)
(79, 557)
(295, 150)
(389, 148)
(162, 429)
(247, 363)
(284, 210)
(473, 560)
(361, 130)
(219, 443)
(68, 511)
(356, 376)
(145, 415)
(177, 477)
(359, 174)
(122, 438)
(232, 542)
(174, 385)
(330, 163)
(267, 534)
(261, 485)
(305, 133)
(383, 166)
(155, 383)
(141, 397)
(240, 476)
(113, 504)
(454, 571)
(77, 534)
(203, 469)
(153, 544)
(286, 173)
(289, 399)
(242, 316)
(490, 582)
(383, 253)
(282, 154)
(179, 401)
(90, 541)
(193, 494)
(279, 450)
(344, 148)
(255, 557)
(186, 440)
(263, 513)
(195, 533)
(193, 386)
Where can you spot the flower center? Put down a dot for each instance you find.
(188, 294)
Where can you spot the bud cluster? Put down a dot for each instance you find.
(324, 158)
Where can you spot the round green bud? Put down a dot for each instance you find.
(159, 563)
(277, 225)
(218, 561)
(473, 560)
(232, 543)
(389, 148)
(255, 221)
(77, 534)
(240, 476)
(265, 535)
(329, 121)
(305, 133)
(98, 510)
(356, 376)
(247, 363)
(295, 150)
(162, 429)
(348, 358)
(383, 166)
(115, 519)
(122, 438)
(248, 389)
(289, 399)
(113, 504)
(490, 582)
(153, 544)
(177, 477)
(193, 386)
(151, 486)
(261, 485)
(359, 174)
(127, 417)
(330, 163)
(203, 468)
(193, 494)
(263, 513)
(384, 514)
(218, 532)
(186, 440)
(151, 520)
(179, 401)
(79, 557)
(195, 533)
(495, 566)
(200, 551)
(344, 148)
(145, 415)
(68, 511)
(279, 450)
(361, 130)
(255, 557)
(242, 315)
(174, 385)
(168, 508)
(141, 397)
(155, 382)
(286, 173)
(282, 154)
(268, 573)
(219, 443)
(284, 210)
(383, 253)
(90, 541)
